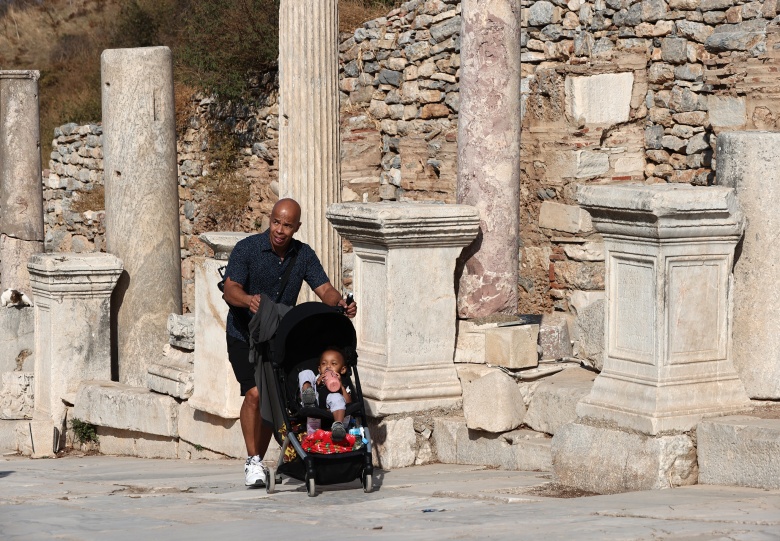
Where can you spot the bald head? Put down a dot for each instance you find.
(285, 221)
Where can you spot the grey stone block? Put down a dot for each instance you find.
(739, 451)
(17, 334)
(181, 329)
(554, 336)
(493, 403)
(394, 443)
(555, 399)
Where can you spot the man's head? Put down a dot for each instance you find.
(332, 359)
(285, 222)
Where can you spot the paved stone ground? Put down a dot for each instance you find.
(117, 498)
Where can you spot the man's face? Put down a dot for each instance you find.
(284, 224)
(332, 360)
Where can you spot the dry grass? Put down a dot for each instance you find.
(353, 13)
(184, 105)
(226, 192)
(93, 200)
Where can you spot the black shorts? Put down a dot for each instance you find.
(238, 353)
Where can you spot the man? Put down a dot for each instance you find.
(257, 265)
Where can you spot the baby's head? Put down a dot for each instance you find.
(332, 359)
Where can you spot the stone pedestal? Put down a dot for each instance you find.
(21, 190)
(404, 283)
(216, 390)
(309, 159)
(667, 360)
(142, 201)
(72, 331)
(489, 154)
(749, 162)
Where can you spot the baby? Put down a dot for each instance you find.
(331, 383)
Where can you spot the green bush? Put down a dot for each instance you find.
(85, 432)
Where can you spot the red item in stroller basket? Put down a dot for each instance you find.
(320, 442)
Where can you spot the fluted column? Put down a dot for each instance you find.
(489, 154)
(142, 202)
(309, 161)
(21, 192)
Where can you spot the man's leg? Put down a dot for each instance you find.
(251, 425)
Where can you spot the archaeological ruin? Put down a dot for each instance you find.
(557, 219)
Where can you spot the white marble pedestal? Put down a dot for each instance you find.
(404, 284)
(667, 361)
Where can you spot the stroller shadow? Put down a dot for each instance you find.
(293, 485)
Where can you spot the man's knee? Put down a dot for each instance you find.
(252, 397)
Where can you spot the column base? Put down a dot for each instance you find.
(606, 460)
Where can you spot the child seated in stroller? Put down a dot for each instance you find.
(332, 389)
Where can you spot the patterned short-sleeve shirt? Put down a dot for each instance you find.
(258, 269)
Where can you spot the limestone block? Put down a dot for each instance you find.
(114, 441)
(114, 405)
(568, 218)
(493, 403)
(599, 99)
(607, 461)
(394, 443)
(727, 112)
(555, 399)
(739, 451)
(470, 372)
(517, 450)
(17, 338)
(16, 395)
(590, 333)
(173, 374)
(181, 331)
(512, 347)
(39, 439)
(589, 251)
(591, 164)
(747, 162)
(554, 336)
(580, 300)
(221, 435)
(470, 341)
(10, 433)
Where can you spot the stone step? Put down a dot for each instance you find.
(520, 450)
(739, 450)
(114, 405)
(555, 399)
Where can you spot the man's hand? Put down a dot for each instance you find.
(235, 295)
(349, 310)
(254, 303)
(330, 296)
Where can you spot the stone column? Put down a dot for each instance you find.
(309, 137)
(749, 162)
(216, 390)
(72, 327)
(404, 275)
(21, 191)
(667, 360)
(489, 154)
(142, 202)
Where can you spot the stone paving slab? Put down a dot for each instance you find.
(118, 498)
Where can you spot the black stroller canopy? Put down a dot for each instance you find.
(308, 329)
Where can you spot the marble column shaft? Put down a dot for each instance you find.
(489, 154)
(309, 138)
(21, 190)
(142, 202)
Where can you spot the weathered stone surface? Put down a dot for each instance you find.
(470, 342)
(739, 451)
(515, 450)
(607, 461)
(589, 251)
(555, 399)
(17, 338)
(577, 275)
(599, 99)
(554, 336)
(181, 331)
(114, 405)
(542, 13)
(139, 145)
(512, 347)
(16, 395)
(747, 162)
(674, 50)
(568, 218)
(212, 432)
(590, 333)
(489, 153)
(493, 403)
(173, 374)
(746, 36)
(694, 30)
(591, 164)
(726, 112)
(114, 441)
(394, 443)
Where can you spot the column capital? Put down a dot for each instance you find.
(405, 224)
(73, 275)
(20, 74)
(662, 211)
(222, 242)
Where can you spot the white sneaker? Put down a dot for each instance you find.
(254, 473)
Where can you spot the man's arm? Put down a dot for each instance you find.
(330, 296)
(235, 295)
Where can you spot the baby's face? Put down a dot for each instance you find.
(332, 360)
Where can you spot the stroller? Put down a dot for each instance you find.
(303, 334)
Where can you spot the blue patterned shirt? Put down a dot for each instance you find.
(255, 266)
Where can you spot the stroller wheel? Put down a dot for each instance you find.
(368, 482)
(311, 487)
(271, 480)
